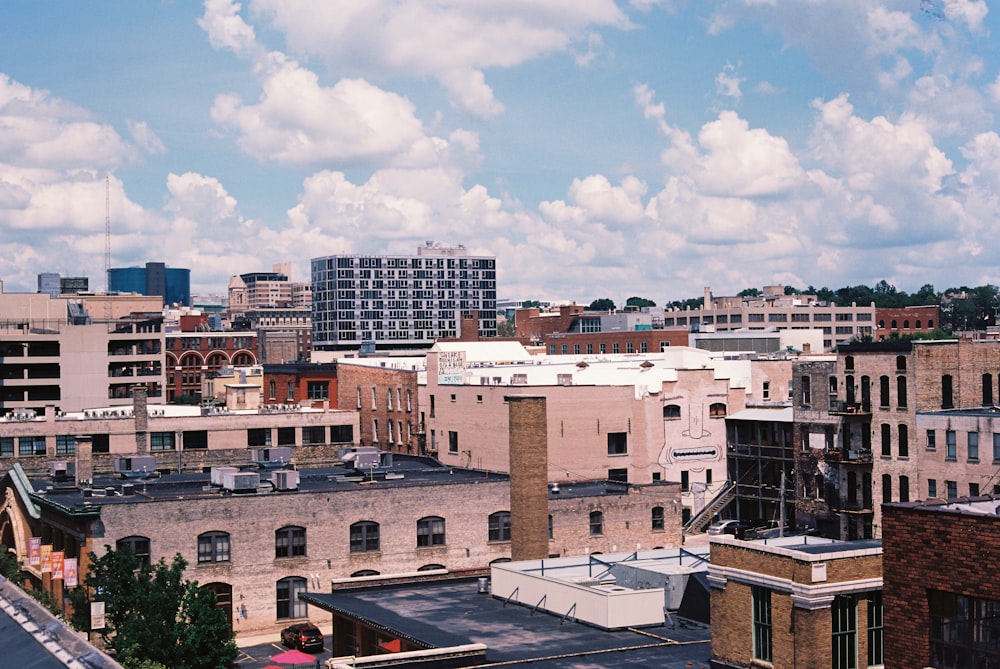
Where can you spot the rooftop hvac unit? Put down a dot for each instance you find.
(135, 466)
(241, 481)
(286, 479)
(271, 457)
(218, 473)
(364, 457)
(61, 470)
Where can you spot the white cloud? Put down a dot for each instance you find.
(727, 83)
(453, 41)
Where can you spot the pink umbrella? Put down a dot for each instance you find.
(292, 657)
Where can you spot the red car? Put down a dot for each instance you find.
(303, 636)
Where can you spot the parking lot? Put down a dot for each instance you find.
(257, 654)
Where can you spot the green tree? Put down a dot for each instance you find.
(153, 616)
(10, 567)
(602, 304)
(639, 302)
(749, 292)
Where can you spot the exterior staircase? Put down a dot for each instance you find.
(700, 521)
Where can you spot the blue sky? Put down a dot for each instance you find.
(598, 148)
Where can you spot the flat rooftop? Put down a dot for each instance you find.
(405, 471)
(452, 613)
(804, 547)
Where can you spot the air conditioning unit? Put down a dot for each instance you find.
(286, 479)
(218, 473)
(271, 457)
(241, 481)
(135, 466)
(61, 470)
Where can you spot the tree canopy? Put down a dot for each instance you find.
(153, 616)
(639, 302)
(602, 304)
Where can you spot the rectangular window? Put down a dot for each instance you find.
(318, 390)
(162, 441)
(962, 630)
(685, 480)
(845, 632)
(313, 435)
(996, 447)
(102, 443)
(973, 446)
(951, 445)
(291, 391)
(931, 488)
(761, 623)
(286, 436)
(973, 490)
(618, 475)
(932, 440)
(341, 434)
(617, 443)
(194, 439)
(630, 347)
(952, 488)
(576, 349)
(452, 441)
(766, 392)
(7, 447)
(259, 436)
(603, 348)
(30, 446)
(65, 444)
(615, 348)
(876, 644)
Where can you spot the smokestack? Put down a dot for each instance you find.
(84, 460)
(529, 490)
(139, 410)
(708, 298)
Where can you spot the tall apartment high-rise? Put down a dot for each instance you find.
(401, 302)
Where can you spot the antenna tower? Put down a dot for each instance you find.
(107, 248)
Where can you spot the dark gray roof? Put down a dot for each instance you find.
(450, 613)
(32, 638)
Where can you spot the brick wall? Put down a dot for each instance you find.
(927, 549)
(403, 384)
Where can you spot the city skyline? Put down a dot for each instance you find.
(595, 148)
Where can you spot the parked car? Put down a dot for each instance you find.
(303, 636)
(724, 527)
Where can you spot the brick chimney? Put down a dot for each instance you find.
(84, 460)
(529, 489)
(139, 410)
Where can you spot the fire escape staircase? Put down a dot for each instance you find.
(700, 521)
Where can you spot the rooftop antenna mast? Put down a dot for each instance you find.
(107, 247)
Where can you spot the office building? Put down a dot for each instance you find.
(173, 284)
(401, 302)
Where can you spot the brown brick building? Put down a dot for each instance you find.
(384, 392)
(190, 355)
(307, 383)
(941, 592)
(796, 603)
(906, 320)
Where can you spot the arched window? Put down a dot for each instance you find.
(596, 522)
(243, 360)
(917, 326)
(223, 598)
(499, 526)
(930, 324)
(500, 560)
(137, 546)
(987, 390)
(849, 362)
(886, 440)
(904, 486)
(850, 389)
(290, 542)
(805, 385)
(656, 517)
(883, 391)
(364, 537)
(881, 325)
(833, 386)
(431, 567)
(894, 326)
(717, 410)
(430, 531)
(287, 592)
(900, 363)
(906, 324)
(901, 392)
(213, 547)
(904, 441)
(364, 572)
(671, 411)
(217, 361)
(886, 489)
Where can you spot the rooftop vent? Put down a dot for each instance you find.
(278, 456)
(219, 473)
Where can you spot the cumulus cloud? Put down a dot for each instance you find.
(727, 82)
(453, 41)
